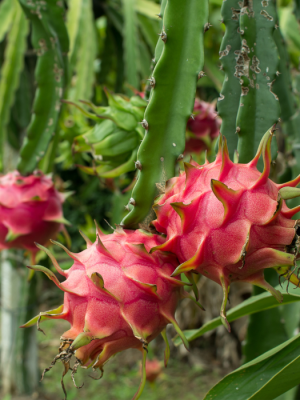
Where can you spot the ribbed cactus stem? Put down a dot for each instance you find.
(158, 49)
(283, 84)
(228, 102)
(171, 103)
(160, 44)
(256, 67)
(51, 43)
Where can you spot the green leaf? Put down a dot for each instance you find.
(259, 326)
(85, 55)
(130, 43)
(297, 9)
(264, 301)
(147, 8)
(149, 29)
(111, 170)
(75, 17)
(7, 10)
(290, 30)
(11, 69)
(144, 61)
(283, 84)
(266, 377)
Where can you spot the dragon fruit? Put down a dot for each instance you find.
(153, 370)
(117, 296)
(229, 222)
(30, 210)
(202, 128)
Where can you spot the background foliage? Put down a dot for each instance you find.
(111, 50)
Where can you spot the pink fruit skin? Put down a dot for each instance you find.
(205, 123)
(30, 207)
(227, 221)
(153, 370)
(137, 300)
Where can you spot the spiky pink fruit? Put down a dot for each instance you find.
(30, 210)
(117, 296)
(153, 370)
(229, 221)
(203, 128)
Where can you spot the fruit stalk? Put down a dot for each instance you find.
(171, 103)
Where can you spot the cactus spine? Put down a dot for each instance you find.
(228, 102)
(256, 67)
(170, 105)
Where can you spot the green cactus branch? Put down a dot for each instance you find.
(297, 9)
(130, 43)
(158, 48)
(84, 54)
(160, 44)
(51, 43)
(171, 103)
(257, 68)
(11, 68)
(7, 11)
(283, 84)
(228, 102)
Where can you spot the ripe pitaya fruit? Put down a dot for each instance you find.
(229, 222)
(202, 128)
(30, 210)
(153, 370)
(117, 296)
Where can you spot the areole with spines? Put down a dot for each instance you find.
(228, 102)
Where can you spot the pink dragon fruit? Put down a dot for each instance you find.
(229, 222)
(153, 370)
(117, 296)
(30, 210)
(203, 128)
